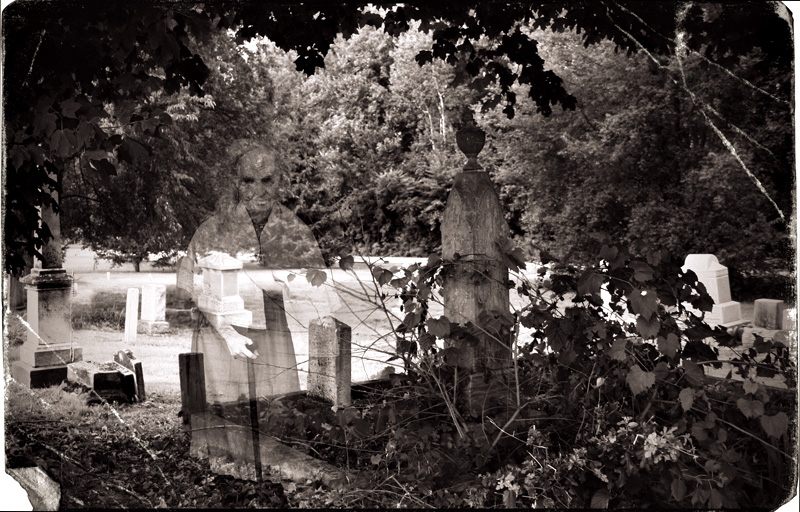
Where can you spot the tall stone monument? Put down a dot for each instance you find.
(714, 277)
(476, 285)
(48, 348)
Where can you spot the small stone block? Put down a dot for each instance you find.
(109, 380)
(726, 314)
(152, 327)
(129, 361)
(768, 313)
(41, 357)
(38, 377)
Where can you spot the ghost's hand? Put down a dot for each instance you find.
(240, 346)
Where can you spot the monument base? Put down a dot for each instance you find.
(41, 377)
(726, 314)
(151, 328)
(484, 397)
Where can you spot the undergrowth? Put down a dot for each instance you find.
(128, 456)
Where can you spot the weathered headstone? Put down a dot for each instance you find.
(131, 315)
(219, 299)
(154, 307)
(714, 277)
(329, 346)
(768, 313)
(48, 348)
(111, 380)
(472, 225)
(129, 361)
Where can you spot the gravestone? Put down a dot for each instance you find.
(131, 315)
(219, 298)
(768, 313)
(48, 349)
(714, 277)
(329, 346)
(129, 361)
(154, 307)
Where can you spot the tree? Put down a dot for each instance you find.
(73, 75)
(153, 207)
(58, 103)
(638, 162)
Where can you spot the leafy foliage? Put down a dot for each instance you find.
(630, 415)
(96, 113)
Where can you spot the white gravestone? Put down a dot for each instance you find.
(154, 306)
(714, 277)
(131, 315)
(219, 298)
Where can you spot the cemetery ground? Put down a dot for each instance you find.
(137, 455)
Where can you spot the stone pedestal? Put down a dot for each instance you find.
(714, 277)
(48, 349)
(154, 307)
(220, 300)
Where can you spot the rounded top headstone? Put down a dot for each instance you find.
(702, 262)
(220, 261)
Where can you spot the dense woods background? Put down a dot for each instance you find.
(368, 140)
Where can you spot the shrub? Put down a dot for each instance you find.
(637, 420)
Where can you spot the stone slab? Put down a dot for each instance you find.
(38, 377)
(44, 493)
(726, 314)
(129, 361)
(110, 380)
(131, 315)
(151, 328)
(229, 448)
(768, 313)
(241, 318)
(748, 339)
(59, 355)
(154, 302)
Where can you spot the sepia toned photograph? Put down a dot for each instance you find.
(441, 254)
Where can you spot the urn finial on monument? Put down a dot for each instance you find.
(470, 139)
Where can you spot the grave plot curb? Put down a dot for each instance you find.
(229, 449)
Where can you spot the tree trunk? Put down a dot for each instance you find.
(137, 264)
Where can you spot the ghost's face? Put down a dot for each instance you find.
(258, 181)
